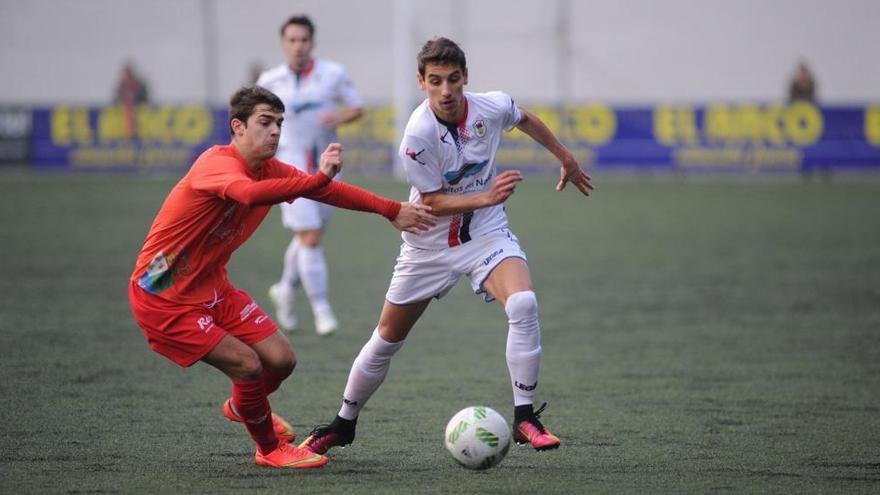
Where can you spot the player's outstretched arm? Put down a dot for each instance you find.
(405, 216)
(570, 170)
(502, 188)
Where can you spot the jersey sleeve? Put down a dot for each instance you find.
(214, 175)
(346, 93)
(510, 114)
(272, 191)
(342, 195)
(421, 164)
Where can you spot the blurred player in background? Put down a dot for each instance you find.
(312, 90)
(179, 291)
(448, 151)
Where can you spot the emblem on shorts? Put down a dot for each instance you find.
(480, 128)
(205, 322)
(492, 256)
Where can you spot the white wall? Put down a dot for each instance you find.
(621, 51)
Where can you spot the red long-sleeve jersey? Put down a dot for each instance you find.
(215, 208)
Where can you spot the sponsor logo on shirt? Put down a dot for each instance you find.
(468, 170)
(162, 269)
(304, 107)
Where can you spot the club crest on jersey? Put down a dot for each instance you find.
(415, 156)
(480, 128)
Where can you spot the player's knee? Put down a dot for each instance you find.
(309, 238)
(287, 367)
(522, 306)
(281, 363)
(376, 354)
(249, 366)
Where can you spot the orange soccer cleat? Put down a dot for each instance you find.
(283, 430)
(290, 457)
(531, 431)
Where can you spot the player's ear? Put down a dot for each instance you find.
(421, 79)
(464, 74)
(238, 126)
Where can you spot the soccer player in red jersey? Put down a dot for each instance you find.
(179, 291)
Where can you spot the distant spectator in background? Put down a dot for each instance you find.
(803, 89)
(131, 92)
(131, 89)
(803, 86)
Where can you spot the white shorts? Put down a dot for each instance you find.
(421, 274)
(305, 214)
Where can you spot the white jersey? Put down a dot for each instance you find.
(315, 91)
(457, 159)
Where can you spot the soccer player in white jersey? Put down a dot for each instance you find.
(313, 90)
(449, 151)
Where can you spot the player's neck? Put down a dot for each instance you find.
(303, 67)
(454, 118)
(253, 161)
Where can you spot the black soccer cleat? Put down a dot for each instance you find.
(339, 433)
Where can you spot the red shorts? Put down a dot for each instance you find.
(185, 333)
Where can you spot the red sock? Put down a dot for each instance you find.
(249, 399)
(272, 380)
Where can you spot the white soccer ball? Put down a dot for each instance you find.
(477, 437)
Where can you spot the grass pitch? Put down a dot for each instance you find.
(699, 336)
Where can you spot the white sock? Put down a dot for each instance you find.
(290, 273)
(313, 274)
(523, 345)
(367, 373)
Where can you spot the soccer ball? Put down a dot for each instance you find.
(477, 437)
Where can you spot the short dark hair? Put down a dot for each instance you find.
(441, 51)
(299, 20)
(243, 102)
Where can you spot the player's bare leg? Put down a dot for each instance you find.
(367, 373)
(511, 285)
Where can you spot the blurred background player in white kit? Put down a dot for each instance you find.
(318, 96)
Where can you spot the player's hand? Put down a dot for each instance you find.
(570, 171)
(331, 160)
(414, 218)
(503, 186)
